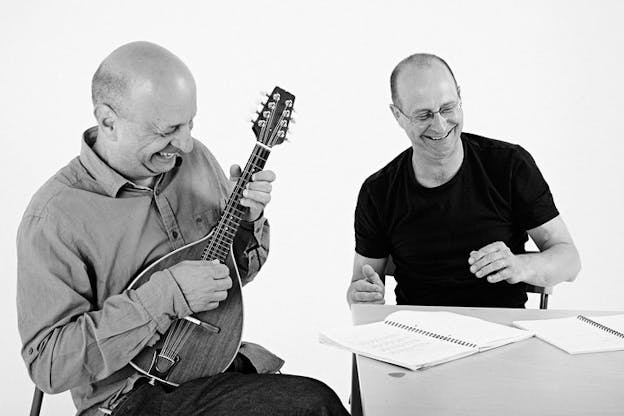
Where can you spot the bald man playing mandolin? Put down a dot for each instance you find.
(141, 188)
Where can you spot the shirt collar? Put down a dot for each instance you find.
(106, 176)
(110, 180)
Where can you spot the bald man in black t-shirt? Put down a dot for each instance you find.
(455, 209)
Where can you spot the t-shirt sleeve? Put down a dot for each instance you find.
(370, 235)
(532, 201)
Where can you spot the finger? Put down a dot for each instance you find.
(487, 259)
(219, 296)
(371, 275)
(222, 284)
(219, 271)
(258, 196)
(499, 276)
(219, 285)
(260, 186)
(263, 175)
(235, 172)
(249, 203)
(492, 267)
(222, 275)
(210, 306)
(476, 255)
(367, 296)
(366, 286)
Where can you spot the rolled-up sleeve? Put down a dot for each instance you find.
(251, 247)
(67, 339)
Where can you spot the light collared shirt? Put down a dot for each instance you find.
(85, 235)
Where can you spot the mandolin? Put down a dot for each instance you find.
(206, 343)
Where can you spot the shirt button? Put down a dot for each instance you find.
(174, 234)
(30, 350)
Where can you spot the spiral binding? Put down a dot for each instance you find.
(601, 326)
(430, 334)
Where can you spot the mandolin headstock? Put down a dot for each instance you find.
(271, 125)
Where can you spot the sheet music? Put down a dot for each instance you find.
(415, 339)
(576, 336)
(483, 334)
(392, 344)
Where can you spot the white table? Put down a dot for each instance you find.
(529, 377)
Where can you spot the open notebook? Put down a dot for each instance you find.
(580, 334)
(415, 339)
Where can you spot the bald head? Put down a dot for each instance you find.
(415, 62)
(136, 71)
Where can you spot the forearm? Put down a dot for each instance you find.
(559, 263)
(82, 348)
(251, 248)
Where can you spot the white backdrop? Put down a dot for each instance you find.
(546, 75)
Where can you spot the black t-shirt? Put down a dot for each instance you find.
(497, 194)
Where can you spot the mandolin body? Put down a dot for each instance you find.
(210, 347)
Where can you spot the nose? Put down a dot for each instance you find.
(439, 123)
(183, 140)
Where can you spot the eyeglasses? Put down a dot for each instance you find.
(425, 117)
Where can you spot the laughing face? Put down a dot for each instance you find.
(429, 110)
(158, 130)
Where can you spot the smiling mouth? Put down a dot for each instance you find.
(167, 155)
(438, 138)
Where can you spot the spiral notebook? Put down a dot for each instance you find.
(580, 334)
(416, 339)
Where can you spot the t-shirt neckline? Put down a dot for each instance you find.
(412, 175)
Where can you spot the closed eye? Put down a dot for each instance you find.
(423, 116)
(173, 129)
(448, 110)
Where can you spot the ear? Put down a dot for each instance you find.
(106, 118)
(395, 112)
(459, 92)
(397, 115)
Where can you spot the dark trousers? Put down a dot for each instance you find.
(234, 393)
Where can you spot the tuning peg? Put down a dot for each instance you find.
(293, 120)
(264, 93)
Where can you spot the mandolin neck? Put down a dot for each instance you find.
(224, 232)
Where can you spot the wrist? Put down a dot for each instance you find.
(529, 272)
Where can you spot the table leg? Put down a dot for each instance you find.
(356, 399)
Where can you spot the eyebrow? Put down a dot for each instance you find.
(171, 127)
(418, 110)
